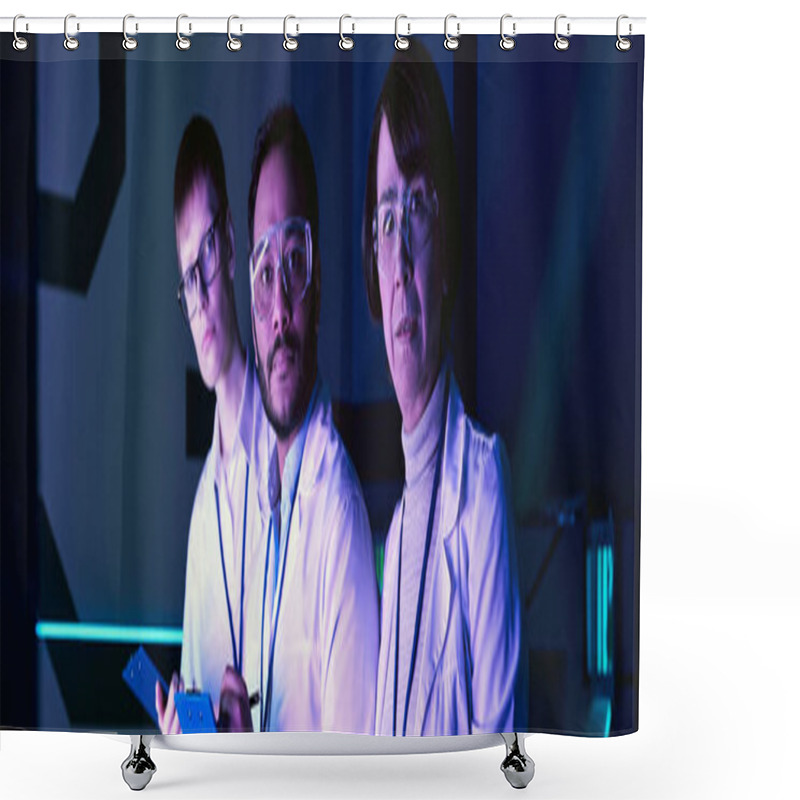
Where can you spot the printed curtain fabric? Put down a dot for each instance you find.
(321, 385)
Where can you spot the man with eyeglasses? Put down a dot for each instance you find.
(227, 543)
(320, 634)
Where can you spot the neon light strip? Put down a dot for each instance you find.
(606, 609)
(610, 590)
(601, 621)
(599, 556)
(94, 632)
(606, 641)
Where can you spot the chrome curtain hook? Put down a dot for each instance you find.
(182, 43)
(128, 42)
(507, 42)
(561, 43)
(345, 42)
(70, 42)
(233, 43)
(623, 44)
(451, 42)
(289, 43)
(20, 42)
(401, 42)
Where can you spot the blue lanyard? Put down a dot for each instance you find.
(237, 658)
(428, 536)
(266, 697)
(267, 700)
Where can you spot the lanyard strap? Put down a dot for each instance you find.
(428, 536)
(274, 624)
(263, 606)
(267, 694)
(237, 657)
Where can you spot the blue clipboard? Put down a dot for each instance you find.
(195, 712)
(141, 675)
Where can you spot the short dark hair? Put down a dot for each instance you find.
(413, 102)
(282, 127)
(199, 153)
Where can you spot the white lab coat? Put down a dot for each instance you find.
(326, 647)
(207, 644)
(469, 639)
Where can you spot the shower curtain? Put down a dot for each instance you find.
(321, 385)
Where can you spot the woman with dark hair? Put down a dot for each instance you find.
(450, 609)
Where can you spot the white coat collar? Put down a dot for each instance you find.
(440, 589)
(320, 428)
(245, 426)
(453, 458)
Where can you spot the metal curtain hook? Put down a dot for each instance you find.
(561, 43)
(288, 42)
(233, 43)
(20, 42)
(182, 43)
(70, 42)
(128, 42)
(401, 42)
(623, 44)
(451, 42)
(507, 42)
(345, 42)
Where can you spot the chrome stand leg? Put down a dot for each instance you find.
(138, 768)
(518, 766)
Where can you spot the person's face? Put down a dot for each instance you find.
(286, 340)
(412, 290)
(213, 318)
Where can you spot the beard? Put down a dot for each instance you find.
(283, 423)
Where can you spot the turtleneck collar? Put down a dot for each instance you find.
(419, 446)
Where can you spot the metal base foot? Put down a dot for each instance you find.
(518, 766)
(138, 768)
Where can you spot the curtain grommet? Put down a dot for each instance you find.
(507, 42)
(233, 44)
(451, 42)
(128, 42)
(290, 44)
(622, 44)
(70, 42)
(561, 43)
(401, 42)
(20, 42)
(345, 42)
(182, 42)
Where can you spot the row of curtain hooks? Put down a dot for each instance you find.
(290, 43)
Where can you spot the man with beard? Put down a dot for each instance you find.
(320, 637)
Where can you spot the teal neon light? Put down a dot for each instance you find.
(606, 609)
(599, 607)
(589, 615)
(112, 634)
(600, 610)
(610, 590)
(605, 570)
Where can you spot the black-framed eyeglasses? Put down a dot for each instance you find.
(284, 252)
(411, 215)
(202, 272)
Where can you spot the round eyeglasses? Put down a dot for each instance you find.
(201, 273)
(282, 257)
(409, 217)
